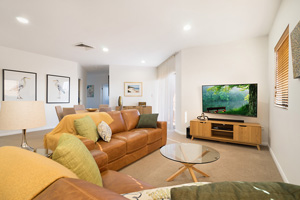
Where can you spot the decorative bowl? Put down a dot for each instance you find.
(91, 109)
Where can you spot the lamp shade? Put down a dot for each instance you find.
(16, 115)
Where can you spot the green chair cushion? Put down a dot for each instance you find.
(73, 154)
(147, 121)
(86, 127)
(237, 191)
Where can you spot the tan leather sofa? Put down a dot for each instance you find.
(128, 143)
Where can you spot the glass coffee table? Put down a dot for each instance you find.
(189, 155)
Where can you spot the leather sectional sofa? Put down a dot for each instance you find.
(128, 143)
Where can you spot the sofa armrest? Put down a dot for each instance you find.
(90, 144)
(101, 159)
(163, 126)
(68, 188)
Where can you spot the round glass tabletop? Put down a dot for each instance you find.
(190, 153)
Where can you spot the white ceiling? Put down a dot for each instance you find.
(133, 30)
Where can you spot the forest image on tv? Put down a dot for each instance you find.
(240, 99)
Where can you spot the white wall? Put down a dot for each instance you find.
(284, 124)
(238, 62)
(120, 74)
(24, 61)
(98, 79)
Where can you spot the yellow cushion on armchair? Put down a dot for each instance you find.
(24, 174)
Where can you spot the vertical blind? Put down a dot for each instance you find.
(282, 70)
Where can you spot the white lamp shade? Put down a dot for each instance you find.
(16, 115)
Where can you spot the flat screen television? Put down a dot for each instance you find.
(233, 99)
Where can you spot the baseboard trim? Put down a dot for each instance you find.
(283, 176)
(8, 133)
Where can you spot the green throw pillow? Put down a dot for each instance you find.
(147, 121)
(73, 154)
(86, 127)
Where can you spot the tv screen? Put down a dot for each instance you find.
(235, 99)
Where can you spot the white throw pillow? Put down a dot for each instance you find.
(104, 131)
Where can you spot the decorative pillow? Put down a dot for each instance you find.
(72, 153)
(86, 127)
(147, 121)
(104, 131)
(238, 190)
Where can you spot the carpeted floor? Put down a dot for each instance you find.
(236, 163)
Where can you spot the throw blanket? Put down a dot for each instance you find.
(66, 125)
(24, 174)
(237, 191)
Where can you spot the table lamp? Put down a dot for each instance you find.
(16, 115)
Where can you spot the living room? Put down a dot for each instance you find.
(247, 59)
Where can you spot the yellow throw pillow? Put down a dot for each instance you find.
(86, 127)
(73, 154)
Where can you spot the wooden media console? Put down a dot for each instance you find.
(234, 132)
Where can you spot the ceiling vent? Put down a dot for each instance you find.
(86, 47)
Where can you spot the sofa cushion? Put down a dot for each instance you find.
(115, 149)
(134, 139)
(104, 131)
(24, 174)
(86, 127)
(73, 154)
(147, 121)
(131, 118)
(118, 125)
(154, 134)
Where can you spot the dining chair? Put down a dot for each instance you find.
(79, 107)
(68, 111)
(59, 112)
(103, 106)
(105, 109)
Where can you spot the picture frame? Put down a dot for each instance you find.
(19, 85)
(58, 89)
(90, 91)
(133, 89)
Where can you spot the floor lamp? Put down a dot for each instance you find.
(16, 115)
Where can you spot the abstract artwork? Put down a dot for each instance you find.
(58, 89)
(133, 89)
(295, 43)
(90, 91)
(19, 85)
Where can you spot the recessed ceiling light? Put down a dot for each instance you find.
(22, 20)
(143, 61)
(187, 27)
(105, 49)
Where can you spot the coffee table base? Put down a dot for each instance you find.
(190, 167)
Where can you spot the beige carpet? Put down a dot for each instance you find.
(236, 163)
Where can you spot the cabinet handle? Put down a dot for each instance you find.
(242, 125)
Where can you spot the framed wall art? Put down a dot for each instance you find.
(90, 91)
(133, 89)
(58, 89)
(19, 85)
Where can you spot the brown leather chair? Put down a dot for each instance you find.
(79, 107)
(68, 111)
(105, 109)
(59, 112)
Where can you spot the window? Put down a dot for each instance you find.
(282, 70)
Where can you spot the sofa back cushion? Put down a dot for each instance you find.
(24, 174)
(131, 118)
(118, 125)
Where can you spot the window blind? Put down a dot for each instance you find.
(282, 70)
